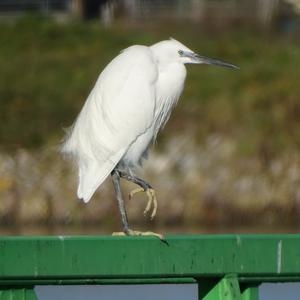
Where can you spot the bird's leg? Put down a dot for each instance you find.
(126, 231)
(116, 183)
(144, 187)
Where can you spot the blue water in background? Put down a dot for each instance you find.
(267, 291)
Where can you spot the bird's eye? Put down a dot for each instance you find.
(180, 52)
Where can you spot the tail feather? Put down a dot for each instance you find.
(91, 176)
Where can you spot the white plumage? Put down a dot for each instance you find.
(131, 100)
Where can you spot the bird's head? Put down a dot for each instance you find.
(173, 51)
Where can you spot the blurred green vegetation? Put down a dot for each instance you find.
(48, 69)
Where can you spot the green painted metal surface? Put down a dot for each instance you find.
(226, 289)
(48, 281)
(105, 257)
(250, 293)
(225, 267)
(17, 294)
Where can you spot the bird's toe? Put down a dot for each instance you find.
(152, 200)
(135, 191)
(131, 232)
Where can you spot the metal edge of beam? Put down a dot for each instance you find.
(188, 256)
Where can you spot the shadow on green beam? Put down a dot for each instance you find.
(26, 282)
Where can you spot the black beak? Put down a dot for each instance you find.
(211, 61)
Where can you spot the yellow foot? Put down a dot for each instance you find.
(139, 233)
(151, 200)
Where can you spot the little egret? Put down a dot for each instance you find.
(130, 102)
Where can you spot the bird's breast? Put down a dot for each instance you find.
(171, 79)
(169, 87)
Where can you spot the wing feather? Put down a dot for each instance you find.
(118, 110)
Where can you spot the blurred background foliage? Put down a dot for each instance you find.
(228, 158)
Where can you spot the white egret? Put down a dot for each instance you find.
(130, 102)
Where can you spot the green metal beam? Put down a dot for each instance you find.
(17, 294)
(225, 289)
(250, 293)
(47, 281)
(106, 257)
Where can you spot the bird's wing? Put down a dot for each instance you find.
(119, 109)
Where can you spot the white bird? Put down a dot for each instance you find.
(130, 102)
